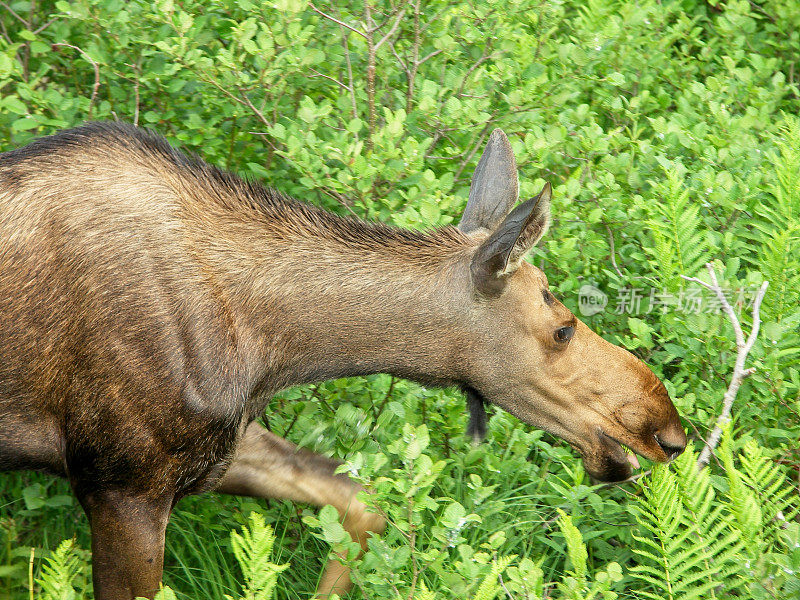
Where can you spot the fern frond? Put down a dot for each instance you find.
(743, 503)
(693, 548)
(490, 587)
(777, 263)
(680, 245)
(771, 487)
(779, 226)
(60, 571)
(423, 593)
(253, 551)
(787, 168)
(576, 549)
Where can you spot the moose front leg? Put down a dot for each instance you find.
(127, 543)
(268, 466)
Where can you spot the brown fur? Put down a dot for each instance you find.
(150, 304)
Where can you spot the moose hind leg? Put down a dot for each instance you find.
(268, 466)
(127, 543)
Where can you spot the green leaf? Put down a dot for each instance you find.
(616, 79)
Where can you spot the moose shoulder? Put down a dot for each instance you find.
(150, 304)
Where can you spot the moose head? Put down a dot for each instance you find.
(532, 357)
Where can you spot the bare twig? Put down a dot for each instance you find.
(411, 63)
(247, 102)
(613, 250)
(429, 56)
(135, 68)
(337, 21)
(96, 72)
(390, 33)
(630, 479)
(475, 147)
(242, 99)
(43, 27)
(329, 78)
(13, 13)
(743, 347)
(372, 51)
(371, 115)
(483, 58)
(4, 32)
(30, 572)
(26, 50)
(349, 72)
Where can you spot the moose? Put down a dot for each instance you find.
(151, 304)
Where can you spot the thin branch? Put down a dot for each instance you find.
(337, 21)
(13, 13)
(483, 58)
(401, 61)
(346, 46)
(432, 20)
(135, 67)
(390, 33)
(244, 100)
(630, 479)
(30, 572)
(613, 250)
(26, 49)
(96, 73)
(43, 27)
(329, 78)
(4, 32)
(475, 148)
(136, 103)
(247, 102)
(371, 114)
(430, 55)
(743, 347)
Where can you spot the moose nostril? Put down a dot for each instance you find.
(671, 448)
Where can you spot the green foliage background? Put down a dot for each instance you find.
(669, 132)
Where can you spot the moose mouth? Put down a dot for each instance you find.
(608, 461)
(611, 462)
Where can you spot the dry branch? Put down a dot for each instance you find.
(96, 67)
(337, 21)
(743, 347)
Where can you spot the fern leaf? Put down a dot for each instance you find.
(60, 571)
(576, 549)
(253, 551)
(423, 593)
(692, 547)
(490, 586)
(680, 245)
(771, 489)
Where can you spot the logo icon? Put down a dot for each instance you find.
(591, 300)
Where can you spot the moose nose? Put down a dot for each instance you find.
(672, 441)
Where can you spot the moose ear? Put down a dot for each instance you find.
(502, 252)
(495, 187)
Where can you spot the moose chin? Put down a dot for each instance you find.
(150, 304)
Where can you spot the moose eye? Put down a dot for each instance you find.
(564, 334)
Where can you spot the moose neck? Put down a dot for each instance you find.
(320, 297)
